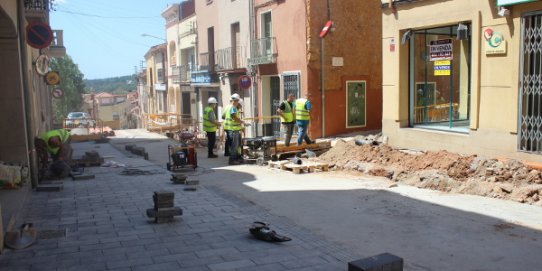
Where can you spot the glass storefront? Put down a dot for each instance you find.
(439, 73)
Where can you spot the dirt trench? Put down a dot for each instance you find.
(440, 170)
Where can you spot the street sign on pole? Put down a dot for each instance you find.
(245, 81)
(57, 93)
(39, 35)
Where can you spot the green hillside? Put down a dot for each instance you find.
(115, 85)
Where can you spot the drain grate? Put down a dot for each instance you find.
(51, 234)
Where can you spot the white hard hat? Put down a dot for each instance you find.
(235, 97)
(212, 100)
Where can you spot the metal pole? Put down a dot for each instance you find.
(322, 87)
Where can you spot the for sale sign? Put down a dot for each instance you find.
(441, 50)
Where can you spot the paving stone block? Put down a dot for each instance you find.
(380, 262)
(232, 265)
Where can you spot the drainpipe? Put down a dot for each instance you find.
(252, 68)
(31, 159)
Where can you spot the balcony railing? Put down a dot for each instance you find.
(230, 58)
(206, 62)
(263, 51)
(37, 9)
(57, 49)
(180, 74)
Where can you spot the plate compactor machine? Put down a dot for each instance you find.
(181, 156)
(259, 149)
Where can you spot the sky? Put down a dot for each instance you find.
(104, 37)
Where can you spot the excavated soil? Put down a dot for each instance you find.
(440, 170)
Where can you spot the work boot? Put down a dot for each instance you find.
(212, 156)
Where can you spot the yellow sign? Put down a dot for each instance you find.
(442, 72)
(442, 63)
(442, 67)
(52, 78)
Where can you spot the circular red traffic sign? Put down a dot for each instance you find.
(245, 81)
(38, 35)
(58, 93)
(326, 29)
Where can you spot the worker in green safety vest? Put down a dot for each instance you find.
(57, 144)
(210, 125)
(233, 124)
(287, 117)
(302, 118)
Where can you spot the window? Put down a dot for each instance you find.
(291, 84)
(440, 79)
(160, 75)
(267, 33)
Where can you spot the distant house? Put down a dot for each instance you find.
(112, 110)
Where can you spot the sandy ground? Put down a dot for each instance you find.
(441, 170)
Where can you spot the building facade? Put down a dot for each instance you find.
(467, 81)
(223, 43)
(289, 55)
(25, 97)
(156, 79)
(181, 52)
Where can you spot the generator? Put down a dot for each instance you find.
(259, 149)
(181, 156)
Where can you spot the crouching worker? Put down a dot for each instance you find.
(57, 144)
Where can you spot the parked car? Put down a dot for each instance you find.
(79, 119)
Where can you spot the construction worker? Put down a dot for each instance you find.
(210, 125)
(57, 144)
(302, 118)
(233, 124)
(287, 118)
(228, 139)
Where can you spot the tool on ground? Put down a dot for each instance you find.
(23, 238)
(261, 231)
(259, 149)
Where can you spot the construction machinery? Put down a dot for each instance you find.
(181, 156)
(259, 149)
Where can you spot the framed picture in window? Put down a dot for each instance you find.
(356, 103)
(424, 94)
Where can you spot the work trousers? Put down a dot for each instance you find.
(227, 143)
(302, 130)
(288, 131)
(235, 147)
(211, 141)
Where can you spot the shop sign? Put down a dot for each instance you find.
(511, 2)
(441, 50)
(442, 67)
(495, 43)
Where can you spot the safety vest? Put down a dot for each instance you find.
(208, 126)
(287, 114)
(63, 134)
(301, 113)
(230, 123)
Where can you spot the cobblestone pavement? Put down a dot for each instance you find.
(106, 228)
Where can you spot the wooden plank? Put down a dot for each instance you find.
(277, 164)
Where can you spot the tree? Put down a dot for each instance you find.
(71, 82)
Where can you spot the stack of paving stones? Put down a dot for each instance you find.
(164, 209)
(91, 158)
(137, 151)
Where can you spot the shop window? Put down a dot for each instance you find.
(440, 78)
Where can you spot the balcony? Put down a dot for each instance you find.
(57, 49)
(37, 9)
(205, 62)
(232, 58)
(263, 51)
(180, 74)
